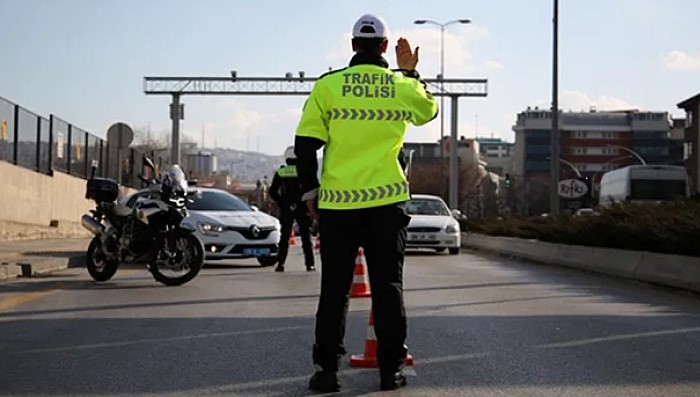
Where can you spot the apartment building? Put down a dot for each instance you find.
(591, 143)
(497, 154)
(692, 140)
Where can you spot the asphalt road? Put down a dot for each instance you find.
(479, 326)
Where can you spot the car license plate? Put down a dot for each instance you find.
(420, 237)
(256, 251)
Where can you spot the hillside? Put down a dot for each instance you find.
(246, 166)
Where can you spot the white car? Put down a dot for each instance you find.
(432, 224)
(230, 228)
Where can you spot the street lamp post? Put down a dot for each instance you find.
(632, 152)
(616, 159)
(441, 77)
(554, 139)
(570, 164)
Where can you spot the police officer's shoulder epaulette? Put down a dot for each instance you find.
(331, 72)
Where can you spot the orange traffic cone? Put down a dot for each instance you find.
(369, 358)
(292, 239)
(360, 285)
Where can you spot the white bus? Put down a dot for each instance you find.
(644, 183)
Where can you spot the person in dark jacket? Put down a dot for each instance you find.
(286, 192)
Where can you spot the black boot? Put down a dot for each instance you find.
(310, 268)
(392, 380)
(279, 268)
(325, 382)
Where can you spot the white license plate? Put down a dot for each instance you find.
(421, 237)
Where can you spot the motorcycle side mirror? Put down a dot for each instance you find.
(144, 180)
(150, 163)
(93, 168)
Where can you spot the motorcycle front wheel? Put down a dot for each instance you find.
(184, 263)
(98, 266)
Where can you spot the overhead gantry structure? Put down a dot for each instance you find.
(299, 85)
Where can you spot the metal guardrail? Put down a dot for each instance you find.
(52, 144)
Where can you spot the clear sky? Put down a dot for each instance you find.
(84, 60)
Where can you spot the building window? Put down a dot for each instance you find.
(609, 166)
(688, 119)
(536, 165)
(611, 151)
(537, 149)
(652, 150)
(610, 135)
(538, 133)
(580, 134)
(581, 167)
(581, 151)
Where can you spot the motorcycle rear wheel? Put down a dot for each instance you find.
(100, 268)
(195, 260)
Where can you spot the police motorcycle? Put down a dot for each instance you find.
(151, 233)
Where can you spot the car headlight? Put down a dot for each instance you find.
(210, 228)
(451, 229)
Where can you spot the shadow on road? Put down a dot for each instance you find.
(271, 356)
(119, 284)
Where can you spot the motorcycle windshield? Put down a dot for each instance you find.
(177, 178)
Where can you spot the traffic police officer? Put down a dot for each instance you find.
(360, 114)
(286, 191)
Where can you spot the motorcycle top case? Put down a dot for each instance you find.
(102, 190)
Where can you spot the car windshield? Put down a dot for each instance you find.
(217, 201)
(427, 207)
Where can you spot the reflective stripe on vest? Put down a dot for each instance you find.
(289, 171)
(363, 195)
(369, 114)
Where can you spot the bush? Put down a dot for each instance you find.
(672, 228)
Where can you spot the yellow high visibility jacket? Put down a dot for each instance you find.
(362, 113)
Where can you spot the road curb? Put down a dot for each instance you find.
(27, 266)
(677, 271)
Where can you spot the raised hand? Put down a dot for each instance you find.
(405, 57)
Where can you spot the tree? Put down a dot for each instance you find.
(147, 140)
(424, 178)
(156, 145)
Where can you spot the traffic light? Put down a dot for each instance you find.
(509, 181)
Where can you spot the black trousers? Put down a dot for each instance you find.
(287, 220)
(381, 232)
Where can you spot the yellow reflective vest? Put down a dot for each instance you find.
(287, 171)
(362, 113)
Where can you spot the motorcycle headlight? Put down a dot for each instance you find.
(451, 229)
(210, 228)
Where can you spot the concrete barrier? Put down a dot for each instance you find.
(663, 269)
(41, 206)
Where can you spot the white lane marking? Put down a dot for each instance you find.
(611, 338)
(161, 340)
